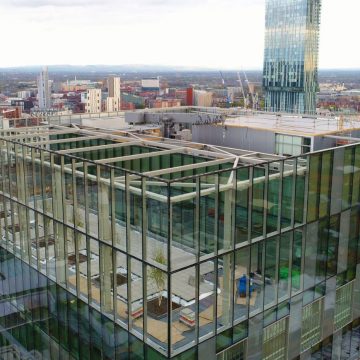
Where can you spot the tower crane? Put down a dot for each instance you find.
(228, 100)
(250, 90)
(242, 90)
(222, 78)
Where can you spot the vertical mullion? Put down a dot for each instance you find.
(100, 225)
(293, 194)
(169, 274)
(216, 216)
(197, 302)
(33, 166)
(303, 249)
(144, 219)
(265, 202)
(127, 246)
(216, 295)
(128, 212)
(251, 179)
(51, 209)
(76, 234)
(263, 253)
(290, 264)
(144, 253)
(306, 189)
(64, 219)
(277, 270)
(45, 211)
(197, 220)
(113, 251)
(24, 200)
(280, 196)
(112, 197)
(87, 226)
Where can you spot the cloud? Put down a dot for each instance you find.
(118, 4)
(100, 3)
(209, 33)
(56, 3)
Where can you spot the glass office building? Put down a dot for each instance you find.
(128, 247)
(290, 78)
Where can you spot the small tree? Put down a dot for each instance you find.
(157, 275)
(47, 219)
(78, 218)
(78, 222)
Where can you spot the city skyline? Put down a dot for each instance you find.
(143, 26)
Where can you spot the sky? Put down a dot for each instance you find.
(219, 34)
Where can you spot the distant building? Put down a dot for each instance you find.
(150, 84)
(113, 102)
(44, 89)
(16, 102)
(290, 76)
(93, 101)
(164, 103)
(138, 101)
(11, 113)
(24, 94)
(77, 85)
(190, 96)
(83, 97)
(177, 94)
(127, 106)
(28, 105)
(186, 95)
(114, 86)
(203, 98)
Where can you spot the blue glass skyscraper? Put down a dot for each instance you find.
(291, 55)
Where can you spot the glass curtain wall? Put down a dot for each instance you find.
(291, 56)
(175, 262)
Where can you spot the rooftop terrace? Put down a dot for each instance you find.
(295, 124)
(140, 154)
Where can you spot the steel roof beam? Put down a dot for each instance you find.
(42, 134)
(188, 167)
(62, 141)
(138, 156)
(99, 147)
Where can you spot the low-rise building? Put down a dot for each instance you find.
(150, 84)
(164, 103)
(93, 101)
(203, 98)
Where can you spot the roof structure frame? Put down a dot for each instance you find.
(218, 149)
(212, 155)
(239, 185)
(139, 156)
(41, 134)
(194, 148)
(346, 138)
(189, 167)
(99, 147)
(118, 185)
(194, 151)
(35, 128)
(64, 141)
